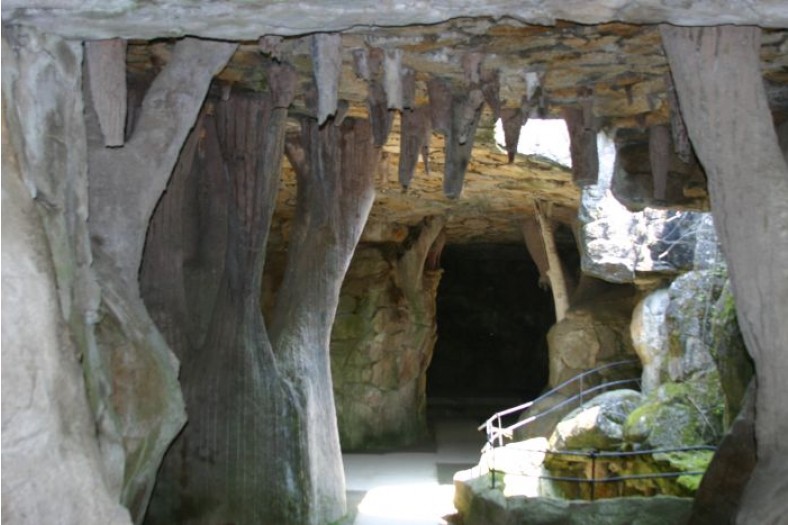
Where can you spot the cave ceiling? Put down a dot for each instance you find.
(543, 65)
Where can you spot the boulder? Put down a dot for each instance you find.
(679, 414)
(589, 336)
(650, 337)
(598, 424)
(479, 502)
(689, 322)
(619, 246)
(730, 354)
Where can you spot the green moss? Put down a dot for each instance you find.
(688, 461)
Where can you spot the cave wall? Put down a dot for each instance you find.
(382, 337)
(55, 469)
(381, 345)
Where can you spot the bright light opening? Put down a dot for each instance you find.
(546, 138)
(413, 503)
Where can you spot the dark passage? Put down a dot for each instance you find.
(492, 323)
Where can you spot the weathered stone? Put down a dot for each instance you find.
(597, 424)
(546, 417)
(721, 489)
(234, 19)
(650, 337)
(55, 470)
(679, 414)
(689, 322)
(380, 349)
(481, 503)
(587, 338)
(730, 354)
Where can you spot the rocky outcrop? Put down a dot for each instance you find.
(679, 414)
(622, 246)
(481, 503)
(55, 470)
(689, 322)
(730, 354)
(589, 336)
(598, 424)
(649, 337)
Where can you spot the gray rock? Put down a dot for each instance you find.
(480, 503)
(650, 337)
(679, 414)
(598, 424)
(689, 316)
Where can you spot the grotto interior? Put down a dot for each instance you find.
(242, 237)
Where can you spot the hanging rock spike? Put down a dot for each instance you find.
(327, 60)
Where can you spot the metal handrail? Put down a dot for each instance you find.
(496, 433)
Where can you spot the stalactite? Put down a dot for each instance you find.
(414, 137)
(582, 136)
(269, 44)
(472, 65)
(491, 88)
(106, 62)
(440, 104)
(368, 65)
(513, 120)
(408, 88)
(466, 111)
(392, 77)
(659, 155)
(681, 141)
(327, 60)
(456, 115)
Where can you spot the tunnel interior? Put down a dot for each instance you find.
(492, 319)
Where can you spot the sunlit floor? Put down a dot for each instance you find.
(413, 488)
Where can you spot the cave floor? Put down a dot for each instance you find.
(413, 487)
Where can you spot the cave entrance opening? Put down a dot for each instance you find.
(492, 322)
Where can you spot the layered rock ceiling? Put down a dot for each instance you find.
(522, 70)
(613, 75)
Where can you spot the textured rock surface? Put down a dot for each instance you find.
(730, 354)
(689, 322)
(590, 336)
(381, 345)
(598, 424)
(650, 336)
(235, 19)
(679, 414)
(52, 465)
(621, 246)
(481, 504)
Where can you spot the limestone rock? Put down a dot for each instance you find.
(650, 338)
(588, 337)
(52, 465)
(481, 503)
(689, 317)
(381, 344)
(598, 424)
(733, 361)
(679, 414)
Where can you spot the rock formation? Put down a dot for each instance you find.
(113, 281)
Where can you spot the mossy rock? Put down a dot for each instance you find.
(679, 414)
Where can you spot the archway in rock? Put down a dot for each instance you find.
(492, 318)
